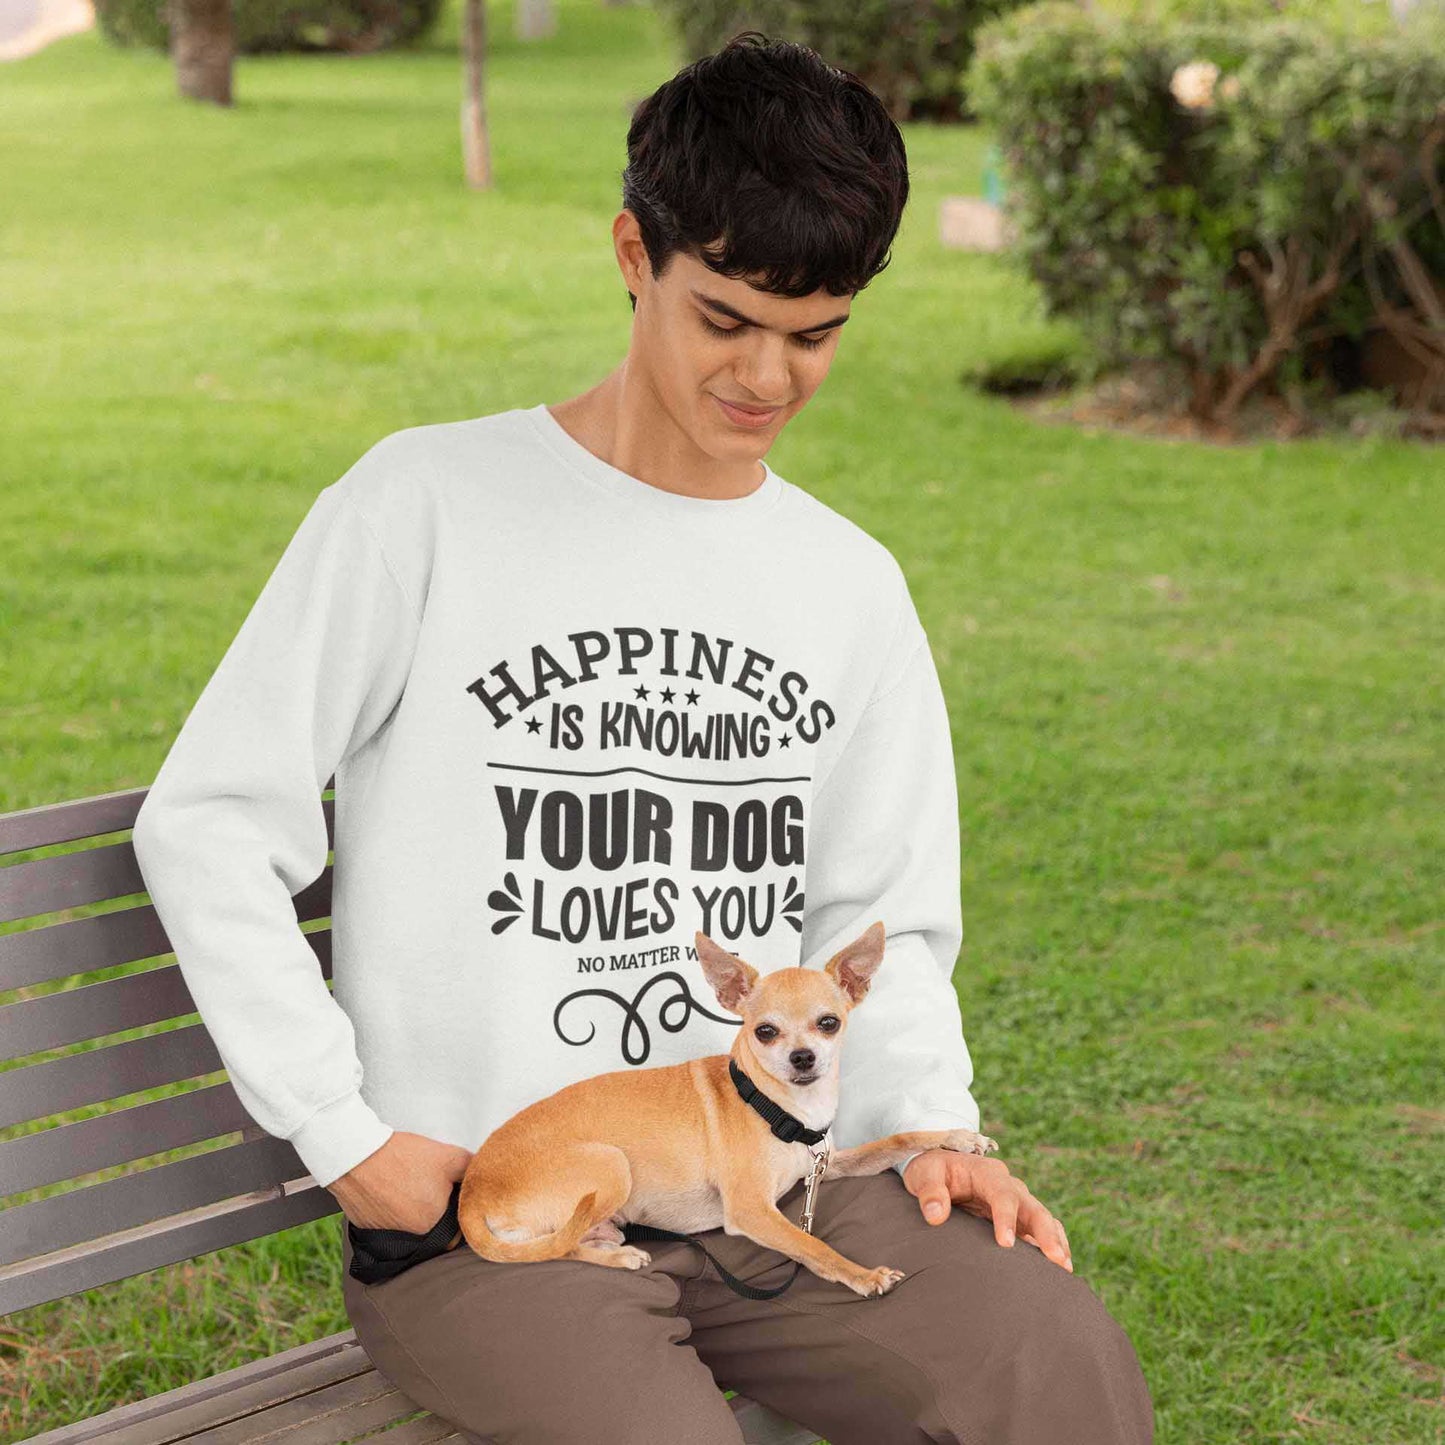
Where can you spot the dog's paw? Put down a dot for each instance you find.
(965, 1141)
(635, 1258)
(876, 1281)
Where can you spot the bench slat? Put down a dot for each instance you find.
(187, 1410)
(322, 1417)
(38, 955)
(425, 1430)
(422, 1429)
(253, 1389)
(69, 821)
(245, 1402)
(69, 880)
(98, 1076)
(131, 1252)
(93, 1211)
(124, 935)
(93, 1010)
(121, 1136)
(76, 818)
(103, 874)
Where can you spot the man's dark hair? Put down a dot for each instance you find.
(762, 160)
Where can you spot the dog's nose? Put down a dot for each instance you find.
(801, 1058)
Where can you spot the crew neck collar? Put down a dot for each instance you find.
(757, 503)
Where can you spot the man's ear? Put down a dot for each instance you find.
(730, 978)
(852, 967)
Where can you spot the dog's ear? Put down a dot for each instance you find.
(730, 978)
(852, 967)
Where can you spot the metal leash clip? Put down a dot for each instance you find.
(822, 1153)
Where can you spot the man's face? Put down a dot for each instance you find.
(704, 339)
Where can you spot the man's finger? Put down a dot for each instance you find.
(927, 1178)
(1004, 1204)
(1047, 1231)
(1066, 1262)
(936, 1205)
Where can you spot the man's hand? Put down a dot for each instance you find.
(938, 1178)
(406, 1184)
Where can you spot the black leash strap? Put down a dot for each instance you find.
(378, 1254)
(784, 1126)
(381, 1254)
(635, 1233)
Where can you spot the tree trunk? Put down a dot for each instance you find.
(202, 46)
(475, 157)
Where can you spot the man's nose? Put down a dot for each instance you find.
(801, 1058)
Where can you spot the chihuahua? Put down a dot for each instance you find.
(679, 1147)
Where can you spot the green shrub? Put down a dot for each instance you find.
(1344, 17)
(353, 26)
(911, 53)
(1236, 196)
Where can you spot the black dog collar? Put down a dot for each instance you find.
(788, 1127)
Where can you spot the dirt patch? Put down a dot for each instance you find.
(1148, 400)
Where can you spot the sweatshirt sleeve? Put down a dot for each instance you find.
(233, 826)
(883, 844)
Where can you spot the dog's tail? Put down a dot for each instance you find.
(559, 1243)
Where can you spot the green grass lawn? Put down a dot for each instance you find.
(1196, 691)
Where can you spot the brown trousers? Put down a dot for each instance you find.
(979, 1345)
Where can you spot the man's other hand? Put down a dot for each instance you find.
(940, 1178)
(406, 1184)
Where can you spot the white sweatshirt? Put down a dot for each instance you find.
(573, 718)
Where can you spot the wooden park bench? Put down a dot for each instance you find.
(58, 1245)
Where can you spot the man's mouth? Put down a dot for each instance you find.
(747, 416)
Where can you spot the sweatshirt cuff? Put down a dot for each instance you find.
(931, 1119)
(338, 1137)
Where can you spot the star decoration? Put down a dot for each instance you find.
(692, 696)
(641, 691)
(534, 724)
(667, 694)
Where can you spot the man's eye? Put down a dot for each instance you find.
(806, 343)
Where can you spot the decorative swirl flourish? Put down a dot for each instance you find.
(634, 1015)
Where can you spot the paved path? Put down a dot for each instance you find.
(29, 25)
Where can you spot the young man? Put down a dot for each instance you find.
(591, 677)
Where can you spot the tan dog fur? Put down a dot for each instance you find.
(677, 1147)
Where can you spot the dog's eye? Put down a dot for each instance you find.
(828, 1023)
(766, 1032)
